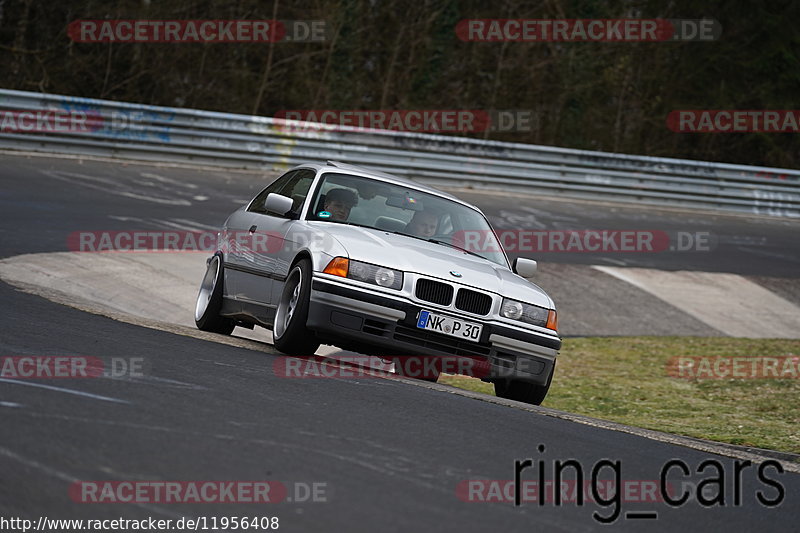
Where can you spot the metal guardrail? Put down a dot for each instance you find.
(165, 134)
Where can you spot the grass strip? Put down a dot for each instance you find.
(626, 380)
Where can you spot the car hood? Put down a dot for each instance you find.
(435, 260)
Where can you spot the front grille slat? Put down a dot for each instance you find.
(473, 302)
(434, 292)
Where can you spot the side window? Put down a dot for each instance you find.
(257, 205)
(294, 185)
(297, 188)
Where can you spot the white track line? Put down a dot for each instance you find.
(60, 389)
(5, 452)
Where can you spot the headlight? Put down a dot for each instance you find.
(377, 275)
(511, 309)
(365, 272)
(385, 277)
(523, 312)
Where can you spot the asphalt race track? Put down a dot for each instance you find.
(383, 454)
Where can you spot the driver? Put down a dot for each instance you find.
(338, 203)
(423, 224)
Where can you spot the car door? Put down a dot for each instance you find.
(238, 253)
(262, 259)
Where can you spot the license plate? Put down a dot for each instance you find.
(449, 326)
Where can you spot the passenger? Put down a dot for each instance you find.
(423, 224)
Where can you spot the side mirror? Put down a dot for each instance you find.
(278, 204)
(525, 267)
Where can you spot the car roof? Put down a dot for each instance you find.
(383, 176)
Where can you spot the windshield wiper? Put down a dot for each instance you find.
(451, 245)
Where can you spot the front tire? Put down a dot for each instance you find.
(523, 391)
(289, 331)
(209, 300)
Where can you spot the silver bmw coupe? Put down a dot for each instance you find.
(341, 255)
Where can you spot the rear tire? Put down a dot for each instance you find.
(289, 331)
(523, 391)
(209, 300)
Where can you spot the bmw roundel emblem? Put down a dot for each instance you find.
(455, 273)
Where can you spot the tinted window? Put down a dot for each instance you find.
(294, 185)
(384, 206)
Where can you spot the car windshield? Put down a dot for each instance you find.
(359, 201)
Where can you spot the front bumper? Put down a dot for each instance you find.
(354, 317)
